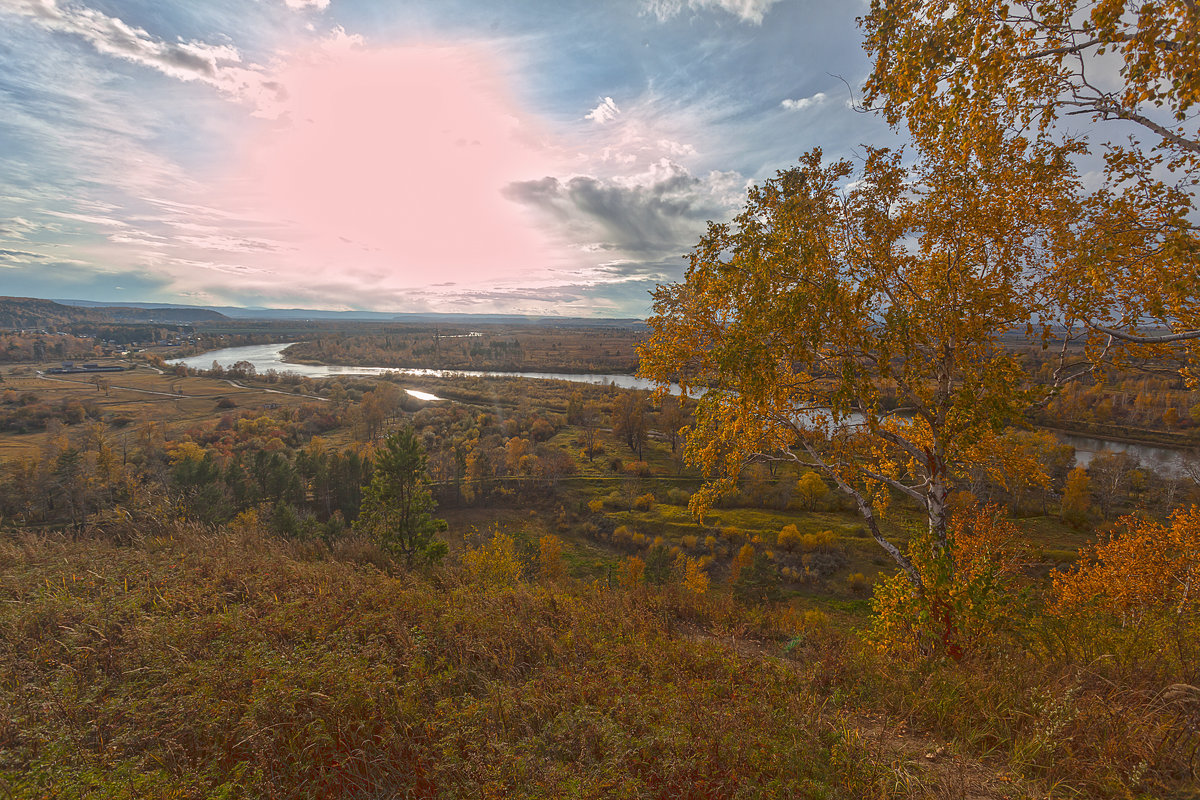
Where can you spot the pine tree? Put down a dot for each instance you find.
(397, 505)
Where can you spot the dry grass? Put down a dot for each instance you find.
(134, 399)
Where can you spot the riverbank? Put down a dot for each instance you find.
(1168, 459)
(1136, 436)
(506, 367)
(578, 351)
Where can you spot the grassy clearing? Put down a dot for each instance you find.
(133, 400)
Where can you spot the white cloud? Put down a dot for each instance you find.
(746, 10)
(805, 102)
(607, 110)
(217, 65)
(676, 149)
(302, 5)
(88, 218)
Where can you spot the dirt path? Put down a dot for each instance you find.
(46, 377)
(232, 382)
(912, 762)
(177, 396)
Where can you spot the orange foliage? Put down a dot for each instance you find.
(1145, 567)
(957, 612)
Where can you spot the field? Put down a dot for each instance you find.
(177, 541)
(129, 401)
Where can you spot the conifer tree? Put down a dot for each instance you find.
(397, 505)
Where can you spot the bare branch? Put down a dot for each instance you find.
(1164, 339)
(867, 513)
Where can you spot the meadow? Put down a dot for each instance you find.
(191, 611)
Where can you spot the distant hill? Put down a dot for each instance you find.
(236, 312)
(32, 312)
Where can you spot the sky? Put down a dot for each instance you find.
(543, 157)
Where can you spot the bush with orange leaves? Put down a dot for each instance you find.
(1136, 596)
(955, 614)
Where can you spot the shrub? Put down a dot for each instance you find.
(857, 584)
(757, 578)
(550, 559)
(496, 562)
(695, 579)
(658, 565)
(644, 502)
(957, 613)
(615, 502)
(1136, 595)
(789, 538)
(823, 542)
(631, 572)
(638, 468)
(744, 558)
(678, 497)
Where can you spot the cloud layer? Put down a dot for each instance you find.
(433, 155)
(751, 11)
(218, 65)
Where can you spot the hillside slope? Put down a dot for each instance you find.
(31, 312)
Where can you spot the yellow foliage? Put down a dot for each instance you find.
(1077, 496)
(695, 579)
(631, 571)
(186, 451)
(494, 563)
(811, 489)
(956, 612)
(595, 506)
(789, 537)
(743, 559)
(550, 558)
(815, 620)
(246, 522)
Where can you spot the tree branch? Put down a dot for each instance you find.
(868, 514)
(1113, 111)
(1164, 339)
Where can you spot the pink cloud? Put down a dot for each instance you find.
(388, 163)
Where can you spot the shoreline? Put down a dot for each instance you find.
(564, 370)
(1164, 441)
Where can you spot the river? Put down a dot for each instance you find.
(270, 356)
(266, 357)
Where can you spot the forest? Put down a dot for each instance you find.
(599, 348)
(841, 551)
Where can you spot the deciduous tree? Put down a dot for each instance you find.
(827, 301)
(822, 299)
(957, 74)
